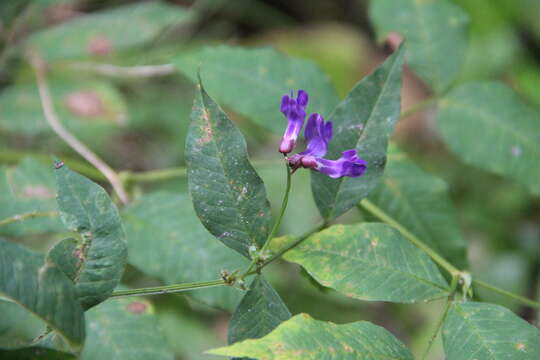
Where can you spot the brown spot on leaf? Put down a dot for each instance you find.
(206, 129)
(38, 192)
(520, 346)
(347, 348)
(85, 103)
(99, 46)
(136, 307)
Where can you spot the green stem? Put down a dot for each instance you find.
(379, 213)
(449, 299)
(168, 289)
(277, 224)
(417, 107)
(14, 157)
(518, 298)
(290, 246)
(31, 215)
(157, 175)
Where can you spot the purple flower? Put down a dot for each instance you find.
(295, 112)
(349, 164)
(318, 134)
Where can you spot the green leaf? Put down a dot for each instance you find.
(42, 289)
(18, 327)
(252, 81)
(28, 187)
(104, 33)
(370, 261)
(91, 108)
(122, 329)
(304, 338)
(181, 248)
(228, 195)
(260, 311)
(35, 352)
(421, 203)
(67, 256)
(436, 35)
(363, 121)
(510, 142)
(86, 208)
(480, 331)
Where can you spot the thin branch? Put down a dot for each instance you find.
(128, 72)
(64, 134)
(26, 216)
(170, 289)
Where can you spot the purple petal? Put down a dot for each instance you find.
(294, 110)
(302, 98)
(312, 126)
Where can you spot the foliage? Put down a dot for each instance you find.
(195, 208)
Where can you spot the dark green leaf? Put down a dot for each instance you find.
(480, 331)
(166, 240)
(34, 353)
(363, 121)
(123, 329)
(436, 35)
(43, 290)
(108, 32)
(86, 208)
(260, 311)
(228, 195)
(420, 202)
(29, 187)
(304, 338)
(252, 81)
(510, 142)
(370, 261)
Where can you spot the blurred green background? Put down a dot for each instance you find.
(138, 123)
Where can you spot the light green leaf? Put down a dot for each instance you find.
(480, 331)
(252, 81)
(28, 187)
(122, 329)
(436, 35)
(85, 207)
(260, 311)
(104, 33)
(363, 121)
(370, 261)
(510, 141)
(85, 107)
(304, 338)
(228, 195)
(181, 248)
(421, 203)
(42, 289)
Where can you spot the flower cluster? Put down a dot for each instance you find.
(318, 134)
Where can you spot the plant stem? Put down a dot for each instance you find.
(292, 245)
(13, 157)
(516, 297)
(277, 224)
(125, 72)
(417, 107)
(449, 299)
(379, 213)
(55, 124)
(30, 215)
(167, 289)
